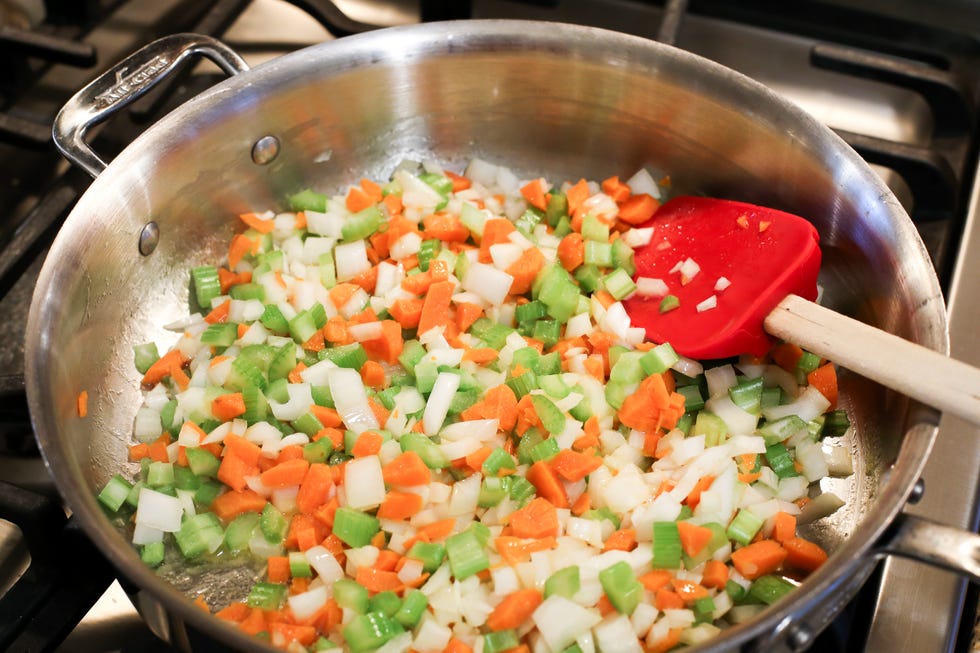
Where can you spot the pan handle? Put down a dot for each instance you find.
(125, 82)
(934, 544)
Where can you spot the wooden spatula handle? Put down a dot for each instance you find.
(923, 374)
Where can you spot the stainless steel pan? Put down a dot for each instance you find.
(563, 100)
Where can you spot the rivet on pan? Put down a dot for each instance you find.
(918, 491)
(799, 637)
(149, 238)
(265, 150)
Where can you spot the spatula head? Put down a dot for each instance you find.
(764, 255)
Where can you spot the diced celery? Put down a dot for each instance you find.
(500, 641)
(361, 224)
(114, 494)
(627, 367)
(548, 332)
(308, 200)
(692, 397)
(659, 359)
(248, 291)
(780, 460)
(370, 631)
(552, 419)
(497, 460)
(666, 545)
(353, 527)
(160, 474)
(598, 254)
(744, 527)
(144, 356)
(769, 589)
(430, 554)
(618, 283)
(152, 554)
(428, 451)
(669, 303)
(351, 595)
(621, 587)
(564, 582)
(493, 490)
(273, 524)
(781, 429)
(554, 386)
(622, 255)
(747, 395)
(268, 596)
(206, 285)
(545, 450)
(557, 208)
(198, 534)
(302, 327)
(387, 603)
(466, 555)
(412, 608)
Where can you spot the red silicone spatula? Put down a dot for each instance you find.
(738, 275)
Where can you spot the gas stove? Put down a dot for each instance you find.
(897, 80)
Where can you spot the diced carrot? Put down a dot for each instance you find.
(325, 513)
(231, 504)
(571, 251)
(759, 558)
(637, 209)
(258, 224)
(240, 246)
(289, 452)
(804, 554)
(315, 488)
(157, 450)
(669, 642)
(389, 346)
(400, 505)
(515, 609)
(524, 270)
(436, 531)
(480, 355)
(219, 313)
(255, 622)
(615, 189)
(786, 355)
(694, 496)
(164, 366)
(234, 469)
(406, 312)
(574, 466)
(547, 483)
(689, 591)
(335, 331)
(228, 406)
(495, 230)
(715, 574)
(368, 443)
(139, 451)
(376, 580)
(784, 527)
(81, 403)
(666, 599)
(233, 612)
(581, 505)
(380, 412)
(304, 635)
(652, 581)
(693, 537)
(247, 450)
(459, 181)
(407, 469)
(537, 519)
(277, 569)
(457, 645)
(466, 314)
(329, 417)
(824, 379)
(515, 550)
(358, 199)
(475, 460)
(286, 474)
(576, 195)
(436, 306)
(445, 227)
(342, 293)
(373, 375)
(533, 191)
(623, 539)
(499, 402)
(643, 409)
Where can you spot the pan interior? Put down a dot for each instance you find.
(550, 100)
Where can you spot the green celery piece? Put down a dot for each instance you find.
(780, 460)
(308, 200)
(318, 451)
(564, 582)
(248, 291)
(618, 283)
(666, 545)
(769, 589)
(362, 224)
(500, 641)
(367, 632)
(704, 609)
(160, 474)
(208, 492)
(268, 596)
(659, 359)
(206, 284)
(595, 229)
(430, 554)
(152, 554)
(299, 566)
(692, 397)
(412, 608)
(144, 356)
(552, 419)
(198, 534)
(747, 395)
(185, 479)
(627, 368)
(743, 527)
(545, 450)
(273, 320)
(283, 361)
(557, 209)
(669, 303)
(273, 524)
(355, 528)
(256, 405)
(622, 255)
(351, 595)
(114, 494)
(498, 459)
(553, 386)
(621, 587)
(781, 429)
(428, 451)
(387, 603)
(466, 555)
(302, 327)
(202, 462)
(493, 490)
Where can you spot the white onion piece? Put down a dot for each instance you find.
(351, 259)
(147, 426)
(365, 331)
(318, 373)
(158, 510)
(350, 399)
(363, 483)
(405, 246)
(643, 182)
(481, 429)
(720, 379)
(638, 237)
(262, 432)
(488, 282)
(651, 287)
(808, 406)
(326, 566)
(439, 401)
(300, 400)
(561, 621)
(305, 604)
(819, 507)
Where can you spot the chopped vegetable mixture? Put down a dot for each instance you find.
(422, 407)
